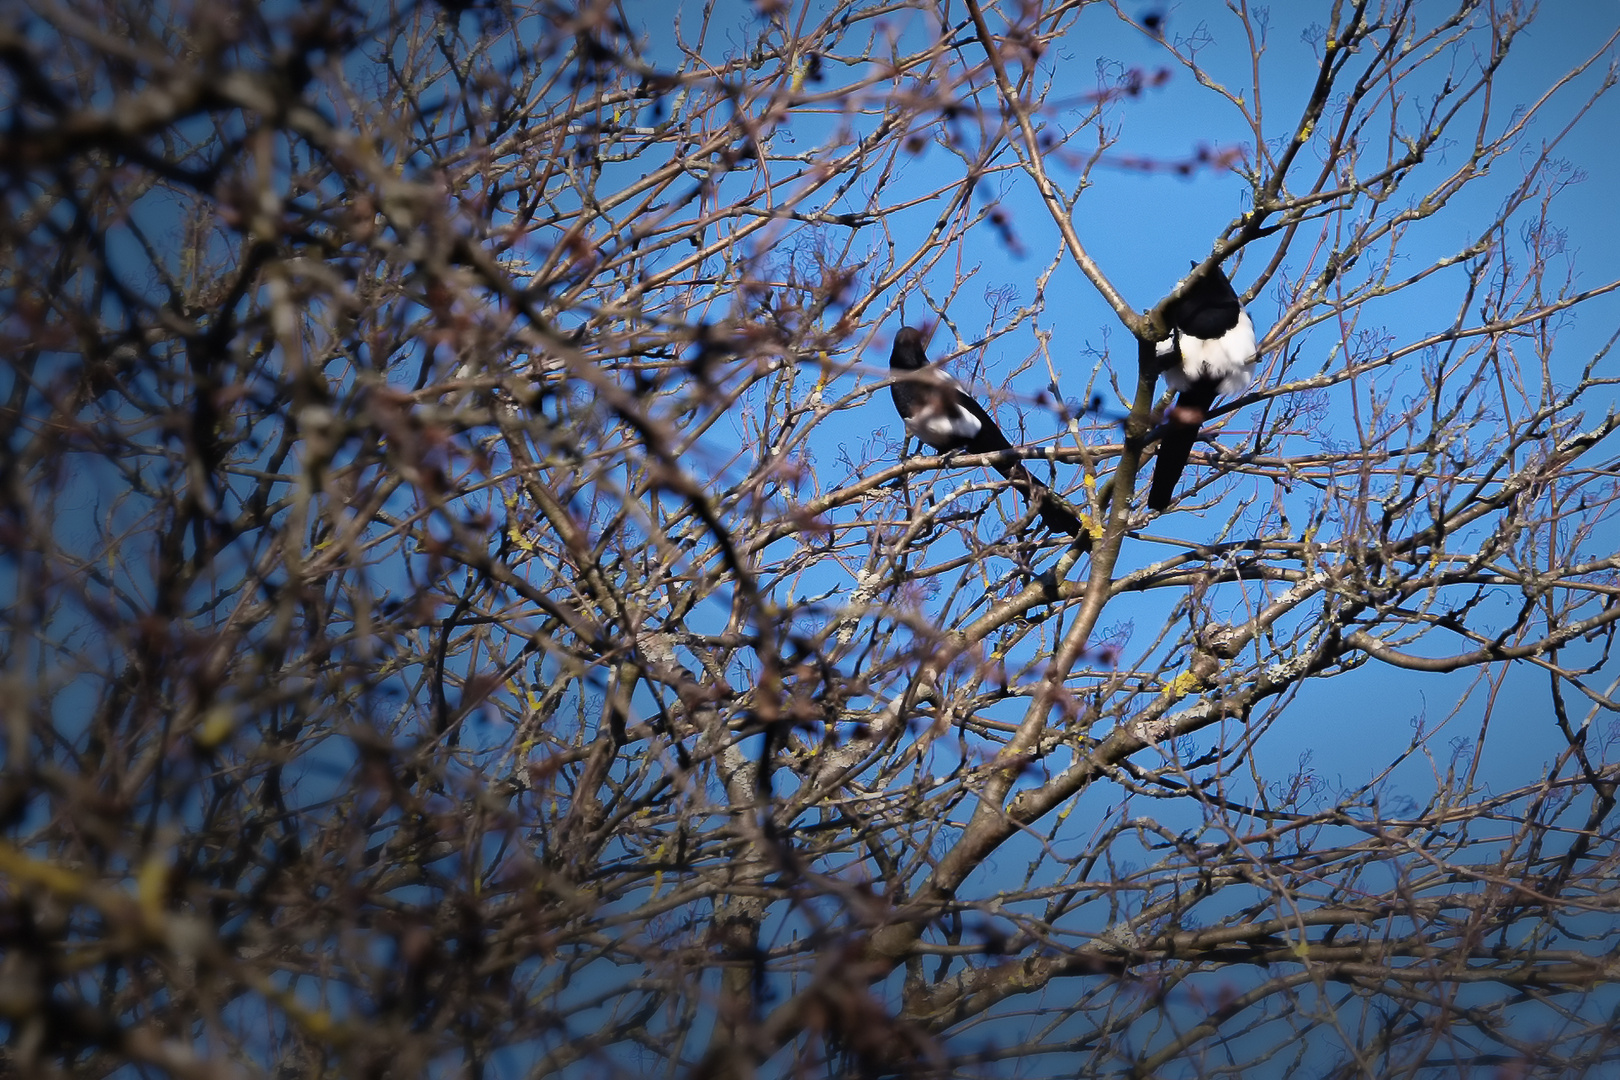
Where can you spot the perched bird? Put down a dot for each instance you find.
(1212, 353)
(937, 409)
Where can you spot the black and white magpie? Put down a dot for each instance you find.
(937, 409)
(1212, 351)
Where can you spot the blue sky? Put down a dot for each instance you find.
(1143, 228)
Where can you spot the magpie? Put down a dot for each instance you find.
(1213, 354)
(936, 409)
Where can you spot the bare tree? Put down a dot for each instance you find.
(470, 613)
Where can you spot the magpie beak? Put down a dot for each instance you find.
(938, 411)
(1212, 353)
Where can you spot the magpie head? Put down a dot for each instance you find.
(908, 354)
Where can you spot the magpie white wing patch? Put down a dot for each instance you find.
(942, 422)
(1227, 360)
(946, 428)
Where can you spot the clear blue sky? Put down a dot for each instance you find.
(1143, 228)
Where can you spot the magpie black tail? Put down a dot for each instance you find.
(1175, 445)
(1052, 510)
(1057, 516)
(1174, 449)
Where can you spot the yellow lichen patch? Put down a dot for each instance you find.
(1180, 686)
